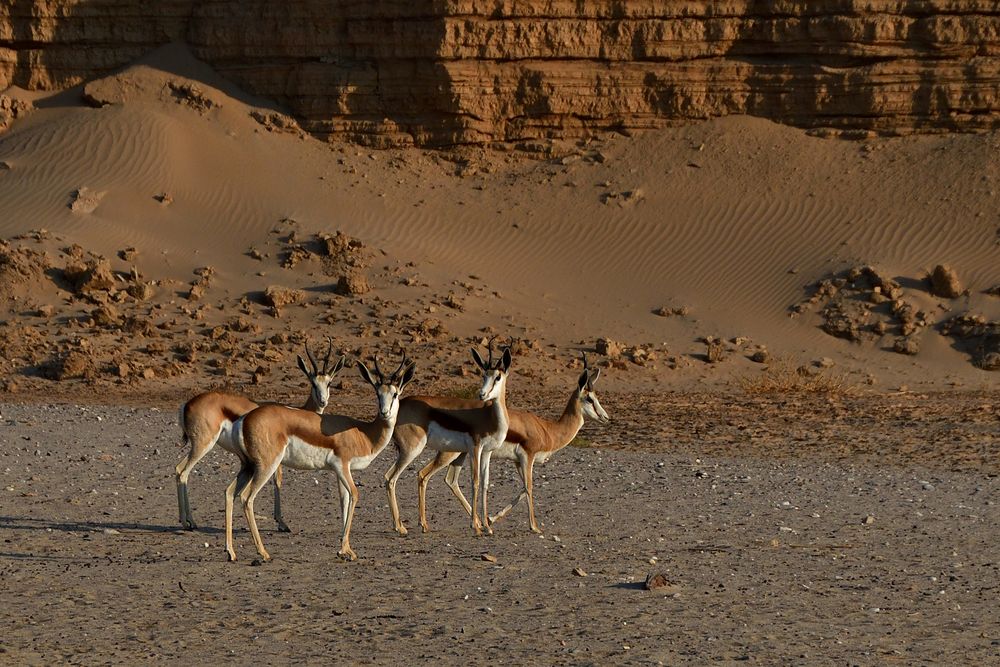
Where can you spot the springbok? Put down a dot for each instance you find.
(207, 420)
(530, 439)
(455, 425)
(272, 435)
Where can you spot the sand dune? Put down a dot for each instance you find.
(732, 219)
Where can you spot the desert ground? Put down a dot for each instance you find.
(798, 337)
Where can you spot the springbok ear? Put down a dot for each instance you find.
(407, 375)
(593, 378)
(340, 366)
(479, 360)
(584, 379)
(506, 360)
(302, 365)
(366, 374)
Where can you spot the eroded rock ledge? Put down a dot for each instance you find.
(435, 73)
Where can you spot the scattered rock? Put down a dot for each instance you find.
(106, 316)
(141, 291)
(609, 348)
(657, 581)
(579, 571)
(89, 276)
(278, 297)
(716, 350)
(11, 109)
(75, 364)
(275, 122)
(164, 198)
(20, 269)
(196, 292)
(352, 284)
(978, 337)
(85, 200)
(489, 558)
(869, 520)
(665, 311)
(906, 345)
(824, 362)
(945, 283)
(192, 95)
(761, 356)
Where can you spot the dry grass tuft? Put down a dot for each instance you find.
(784, 377)
(463, 392)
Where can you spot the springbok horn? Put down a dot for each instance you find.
(489, 364)
(378, 370)
(329, 351)
(402, 362)
(312, 359)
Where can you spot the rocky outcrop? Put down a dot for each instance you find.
(466, 71)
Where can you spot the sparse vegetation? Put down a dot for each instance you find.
(783, 376)
(463, 392)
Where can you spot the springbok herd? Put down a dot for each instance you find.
(266, 437)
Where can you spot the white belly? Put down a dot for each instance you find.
(507, 451)
(300, 455)
(446, 440)
(227, 436)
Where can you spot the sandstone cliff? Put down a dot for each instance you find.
(439, 72)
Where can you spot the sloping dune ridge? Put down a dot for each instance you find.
(655, 241)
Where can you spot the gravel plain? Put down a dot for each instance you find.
(791, 560)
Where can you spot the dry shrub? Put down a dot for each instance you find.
(784, 377)
(468, 393)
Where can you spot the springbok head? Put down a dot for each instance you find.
(494, 372)
(320, 377)
(388, 389)
(585, 390)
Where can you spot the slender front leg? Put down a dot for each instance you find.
(345, 503)
(451, 479)
(406, 457)
(237, 486)
(424, 478)
(520, 464)
(278, 480)
(485, 477)
(529, 489)
(345, 547)
(248, 495)
(477, 526)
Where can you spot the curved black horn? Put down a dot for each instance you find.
(402, 362)
(312, 359)
(585, 366)
(378, 370)
(489, 364)
(329, 351)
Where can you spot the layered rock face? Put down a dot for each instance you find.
(434, 73)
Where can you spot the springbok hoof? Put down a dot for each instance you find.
(348, 554)
(283, 528)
